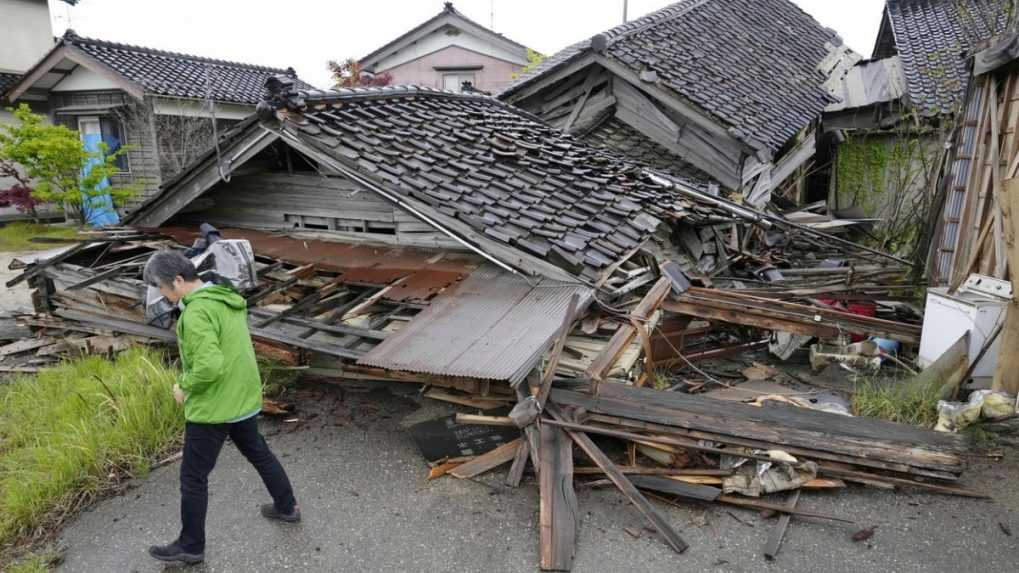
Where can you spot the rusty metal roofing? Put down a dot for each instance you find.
(494, 325)
(424, 272)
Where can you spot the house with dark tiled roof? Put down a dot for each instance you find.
(167, 106)
(447, 51)
(420, 167)
(722, 88)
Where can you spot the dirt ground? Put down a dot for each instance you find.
(367, 507)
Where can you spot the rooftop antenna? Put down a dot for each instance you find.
(626, 4)
(491, 17)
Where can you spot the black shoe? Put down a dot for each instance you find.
(173, 552)
(269, 511)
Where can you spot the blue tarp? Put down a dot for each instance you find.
(99, 210)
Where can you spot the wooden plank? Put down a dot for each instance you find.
(117, 325)
(473, 402)
(1006, 374)
(558, 502)
(26, 345)
(589, 84)
(673, 487)
(516, 472)
(692, 438)
(641, 470)
(863, 440)
(465, 419)
(603, 363)
(850, 474)
(487, 461)
(778, 532)
(625, 485)
(747, 319)
(315, 325)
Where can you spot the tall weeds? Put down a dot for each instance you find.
(69, 433)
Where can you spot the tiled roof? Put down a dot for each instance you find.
(6, 81)
(494, 167)
(751, 64)
(180, 75)
(932, 38)
(621, 138)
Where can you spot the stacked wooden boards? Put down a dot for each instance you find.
(812, 434)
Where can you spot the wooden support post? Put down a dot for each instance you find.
(558, 508)
(1006, 376)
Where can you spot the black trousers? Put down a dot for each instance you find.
(202, 444)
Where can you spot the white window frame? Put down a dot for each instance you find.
(461, 77)
(96, 120)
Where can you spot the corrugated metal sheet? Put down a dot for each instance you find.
(494, 326)
(948, 253)
(870, 82)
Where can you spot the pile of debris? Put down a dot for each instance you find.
(520, 269)
(386, 314)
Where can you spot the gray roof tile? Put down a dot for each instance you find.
(180, 75)
(763, 54)
(564, 209)
(932, 38)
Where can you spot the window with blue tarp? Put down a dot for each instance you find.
(113, 136)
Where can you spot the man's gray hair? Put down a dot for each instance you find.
(164, 266)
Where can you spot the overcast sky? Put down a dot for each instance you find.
(306, 33)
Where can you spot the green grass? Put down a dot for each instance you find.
(72, 431)
(15, 237)
(911, 401)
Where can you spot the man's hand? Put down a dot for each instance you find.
(178, 394)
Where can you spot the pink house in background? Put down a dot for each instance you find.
(448, 50)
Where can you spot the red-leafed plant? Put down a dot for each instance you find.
(20, 196)
(349, 74)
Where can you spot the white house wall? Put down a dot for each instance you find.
(83, 79)
(25, 33)
(438, 40)
(195, 108)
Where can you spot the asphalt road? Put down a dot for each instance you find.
(367, 507)
(17, 298)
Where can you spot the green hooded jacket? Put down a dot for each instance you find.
(221, 377)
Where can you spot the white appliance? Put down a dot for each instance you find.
(978, 306)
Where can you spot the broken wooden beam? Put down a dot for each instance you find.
(558, 502)
(625, 485)
(603, 363)
(487, 461)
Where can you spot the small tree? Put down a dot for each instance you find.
(533, 59)
(349, 74)
(19, 194)
(61, 170)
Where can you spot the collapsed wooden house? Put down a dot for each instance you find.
(716, 92)
(456, 241)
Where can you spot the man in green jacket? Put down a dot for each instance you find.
(221, 391)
